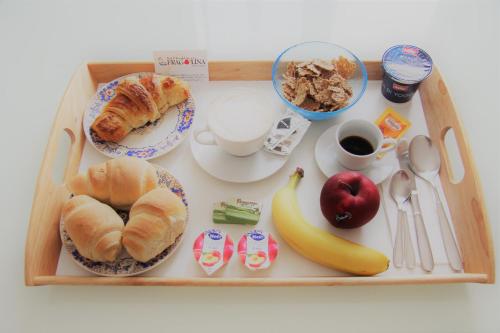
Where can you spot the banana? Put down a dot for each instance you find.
(319, 245)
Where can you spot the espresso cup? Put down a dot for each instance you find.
(358, 142)
(238, 124)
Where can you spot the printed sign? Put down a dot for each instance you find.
(189, 65)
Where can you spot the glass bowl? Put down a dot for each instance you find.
(318, 50)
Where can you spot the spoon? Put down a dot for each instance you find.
(423, 243)
(400, 189)
(426, 162)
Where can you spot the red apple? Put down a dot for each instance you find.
(349, 200)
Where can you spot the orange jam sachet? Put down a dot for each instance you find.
(392, 124)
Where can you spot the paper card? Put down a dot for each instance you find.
(189, 65)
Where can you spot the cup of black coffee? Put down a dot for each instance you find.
(358, 142)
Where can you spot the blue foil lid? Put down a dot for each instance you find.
(407, 63)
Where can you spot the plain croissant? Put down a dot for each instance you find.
(155, 222)
(118, 182)
(137, 101)
(94, 228)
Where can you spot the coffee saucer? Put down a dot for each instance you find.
(324, 153)
(230, 168)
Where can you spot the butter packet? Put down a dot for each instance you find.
(236, 211)
(286, 133)
(392, 124)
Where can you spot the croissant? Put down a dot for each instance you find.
(118, 182)
(94, 228)
(137, 101)
(155, 222)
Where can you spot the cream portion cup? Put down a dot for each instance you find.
(366, 130)
(238, 124)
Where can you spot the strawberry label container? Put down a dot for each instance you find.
(257, 249)
(212, 249)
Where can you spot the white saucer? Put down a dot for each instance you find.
(327, 163)
(235, 169)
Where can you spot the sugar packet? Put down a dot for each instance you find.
(286, 133)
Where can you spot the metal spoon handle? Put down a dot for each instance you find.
(399, 247)
(408, 247)
(424, 245)
(450, 245)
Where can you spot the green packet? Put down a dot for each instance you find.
(236, 211)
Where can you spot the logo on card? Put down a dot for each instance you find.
(189, 65)
(174, 61)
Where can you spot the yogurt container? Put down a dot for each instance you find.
(212, 249)
(257, 249)
(404, 67)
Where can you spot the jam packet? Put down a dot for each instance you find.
(257, 249)
(392, 124)
(286, 133)
(212, 249)
(236, 211)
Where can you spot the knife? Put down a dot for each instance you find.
(424, 246)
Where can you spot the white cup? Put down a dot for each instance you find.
(366, 130)
(238, 124)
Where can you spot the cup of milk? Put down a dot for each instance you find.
(238, 123)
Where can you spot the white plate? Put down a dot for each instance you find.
(147, 142)
(324, 153)
(125, 265)
(235, 169)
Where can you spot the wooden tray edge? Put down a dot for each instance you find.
(312, 281)
(474, 238)
(38, 273)
(43, 243)
(251, 70)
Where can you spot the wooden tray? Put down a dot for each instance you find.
(465, 199)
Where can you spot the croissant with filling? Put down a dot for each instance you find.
(138, 101)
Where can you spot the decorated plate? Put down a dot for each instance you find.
(149, 141)
(125, 265)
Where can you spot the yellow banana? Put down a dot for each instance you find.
(319, 245)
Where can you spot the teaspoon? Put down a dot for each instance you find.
(400, 189)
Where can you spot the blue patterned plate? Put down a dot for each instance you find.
(125, 265)
(147, 142)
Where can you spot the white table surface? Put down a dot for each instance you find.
(42, 43)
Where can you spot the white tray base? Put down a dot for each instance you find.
(203, 190)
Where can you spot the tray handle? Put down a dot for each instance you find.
(464, 197)
(43, 243)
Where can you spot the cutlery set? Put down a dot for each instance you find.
(419, 158)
